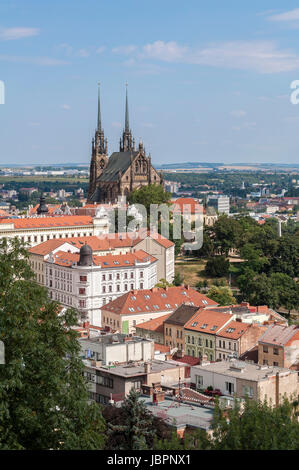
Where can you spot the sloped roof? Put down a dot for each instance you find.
(63, 258)
(208, 321)
(280, 335)
(157, 324)
(156, 299)
(48, 222)
(118, 162)
(182, 314)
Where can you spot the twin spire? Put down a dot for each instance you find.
(127, 143)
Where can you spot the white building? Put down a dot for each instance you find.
(35, 230)
(220, 203)
(87, 282)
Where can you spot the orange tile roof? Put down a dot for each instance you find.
(51, 208)
(67, 259)
(157, 324)
(162, 348)
(280, 335)
(48, 222)
(239, 329)
(3, 213)
(187, 204)
(157, 300)
(105, 242)
(208, 321)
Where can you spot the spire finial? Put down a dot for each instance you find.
(99, 109)
(127, 127)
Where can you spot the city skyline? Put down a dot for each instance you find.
(218, 79)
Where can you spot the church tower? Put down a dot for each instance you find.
(127, 143)
(99, 156)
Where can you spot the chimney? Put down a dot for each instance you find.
(147, 367)
(86, 324)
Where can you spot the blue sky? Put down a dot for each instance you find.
(208, 81)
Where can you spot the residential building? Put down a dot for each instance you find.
(201, 331)
(138, 306)
(37, 230)
(153, 329)
(116, 348)
(107, 244)
(240, 379)
(174, 334)
(237, 338)
(279, 346)
(114, 383)
(219, 202)
(87, 282)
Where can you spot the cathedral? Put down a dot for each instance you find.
(123, 171)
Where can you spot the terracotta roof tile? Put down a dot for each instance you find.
(208, 321)
(157, 300)
(157, 324)
(48, 222)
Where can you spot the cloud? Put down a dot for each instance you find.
(259, 56)
(116, 124)
(83, 53)
(9, 34)
(166, 51)
(44, 61)
(125, 50)
(65, 106)
(292, 15)
(239, 113)
(66, 48)
(100, 49)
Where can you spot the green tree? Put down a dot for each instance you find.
(43, 395)
(147, 195)
(222, 295)
(137, 429)
(218, 266)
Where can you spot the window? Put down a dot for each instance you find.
(265, 362)
(199, 381)
(188, 339)
(118, 287)
(81, 291)
(275, 364)
(211, 344)
(276, 351)
(265, 349)
(229, 387)
(199, 341)
(246, 390)
(207, 343)
(141, 285)
(83, 278)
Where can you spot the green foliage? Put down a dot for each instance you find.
(136, 431)
(178, 279)
(222, 295)
(163, 283)
(147, 195)
(218, 266)
(43, 395)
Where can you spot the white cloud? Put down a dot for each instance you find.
(45, 61)
(9, 34)
(126, 50)
(292, 15)
(259, 56)
(166, 51)
(65, 106)
(100, 50)
(116, 124)
(83, 53)
(239, 113)
(66, 48)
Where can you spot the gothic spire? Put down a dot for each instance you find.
(127, 127)
(99, 110)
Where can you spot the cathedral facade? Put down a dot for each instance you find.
(123, 171)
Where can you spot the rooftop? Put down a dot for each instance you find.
(67, 259)
(241, 369)
(157, 299)
(157, 324)
(280, 335)
(208, 321)
(48, 222)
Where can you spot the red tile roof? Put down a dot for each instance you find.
(190, 360)
(157, 324)
(106, 242)
(51, 208)
(208, 321)
(188, 205)
(162, 348)
(48, 222)
(280, 335)
(157, 300)
(238, 328)
(67, 259)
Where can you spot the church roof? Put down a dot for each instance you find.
(118, 162)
